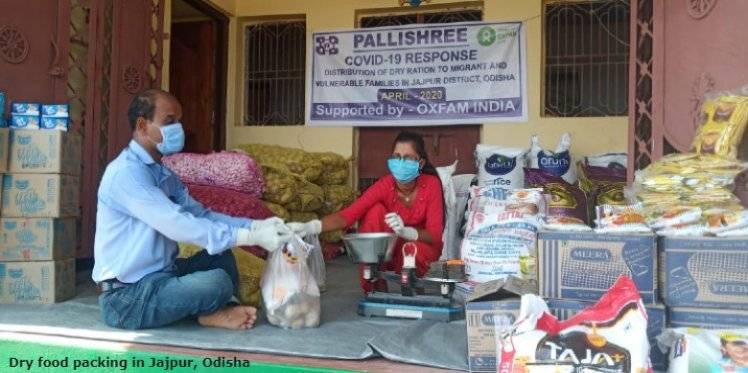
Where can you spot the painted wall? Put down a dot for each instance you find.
(590, 135)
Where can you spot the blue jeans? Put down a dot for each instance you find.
(199, 285)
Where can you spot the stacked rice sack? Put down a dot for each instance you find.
(302, 186)
(501, 233)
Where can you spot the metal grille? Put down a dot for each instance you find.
(106, 86)
(274, 75)
(586, 58)
(78, 62)
(642, 112)
(156, 41)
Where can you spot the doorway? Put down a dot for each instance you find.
(197, 72)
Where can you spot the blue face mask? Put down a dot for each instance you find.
(404, 170)
(173, 139)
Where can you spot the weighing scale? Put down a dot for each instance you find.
(373, 249)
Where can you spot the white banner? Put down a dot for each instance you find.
(418, 75)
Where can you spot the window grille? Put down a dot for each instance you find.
(586, 58)
(274, 73)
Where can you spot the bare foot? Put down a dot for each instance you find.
(237, 318)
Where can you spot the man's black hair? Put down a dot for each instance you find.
(144, 105)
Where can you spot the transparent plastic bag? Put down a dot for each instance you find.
(289, 291)
(316, 262)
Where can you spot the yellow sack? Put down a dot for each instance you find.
(332, 237)
(309, 197)
(337, 197)
(296, 160)
(250, 269)
(725, 119)
(334, 168)
(280, 185)
(277, 210)
(302, 217)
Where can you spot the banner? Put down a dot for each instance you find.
(418, 75)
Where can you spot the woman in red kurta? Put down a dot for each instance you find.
(408, 202)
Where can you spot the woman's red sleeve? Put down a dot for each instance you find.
(357, 209)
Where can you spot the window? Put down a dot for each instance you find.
(586, 58)
(275, 56)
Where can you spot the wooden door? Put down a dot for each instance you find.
(192, 72)
(34, 44)
(444, 145)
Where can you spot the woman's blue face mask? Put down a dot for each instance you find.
(404, 169)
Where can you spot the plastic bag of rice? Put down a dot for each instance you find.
(558, 163)
(610, 336)
(500, 166)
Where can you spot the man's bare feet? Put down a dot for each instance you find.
(236, 317)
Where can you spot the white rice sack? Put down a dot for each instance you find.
(708, 351)
(500, 166)
(499, 245)
(610, 336)
(456, 218)
(608, 160)
(558, 163)
(450, 202)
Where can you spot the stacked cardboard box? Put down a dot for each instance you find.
(704, 281)
(576, 268)
(39, 210)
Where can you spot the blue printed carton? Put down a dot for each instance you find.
(37, 282)
(2, 105)
(583, 266)
(49, 152)
(4, 149)
(40, 196)
(56, 110)
(26, 108)
(705, 272)
(37, 239)
(707, 318)
(55, 123)
(25, 121)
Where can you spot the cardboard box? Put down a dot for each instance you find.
(45, 152)
(583, 266)
(705, 272)
(491, 305)
(4, 149)
(24, 121)
(705, 318)
(37, 282)
(37, 239)
(40, 196)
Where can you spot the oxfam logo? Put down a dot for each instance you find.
(486, 36)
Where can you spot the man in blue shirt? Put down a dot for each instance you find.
(143, 211)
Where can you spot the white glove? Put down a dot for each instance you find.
(270, 238)
(313, 227)
(398, 226)
(262, 223)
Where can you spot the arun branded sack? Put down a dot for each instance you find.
(558, 163)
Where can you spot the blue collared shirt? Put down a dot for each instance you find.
(143, 211)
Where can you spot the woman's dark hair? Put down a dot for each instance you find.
(418, 144)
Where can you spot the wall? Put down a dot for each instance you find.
(591, 135)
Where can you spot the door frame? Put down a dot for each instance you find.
(221, 65)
